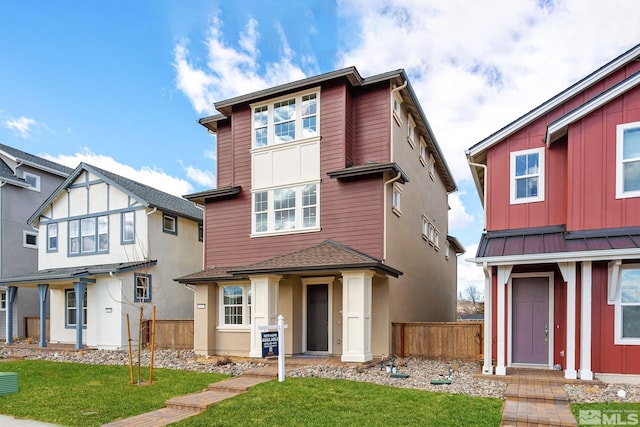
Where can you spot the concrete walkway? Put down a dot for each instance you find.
(181, 407)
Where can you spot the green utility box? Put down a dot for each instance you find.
(8, 383)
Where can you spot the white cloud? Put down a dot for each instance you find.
(152, 177)
(458, 216)
(232, 71)
(205, 178)
(21, 125)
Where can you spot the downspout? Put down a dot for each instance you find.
(384, 232)
(2, 183)
(484, 190)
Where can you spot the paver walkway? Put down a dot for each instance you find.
(181, 407)
(536, 398)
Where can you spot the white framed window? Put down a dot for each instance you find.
(128, 227)
(396, 199)
(89, 235)
(3, 300)
(141, 287)
(432, 167)
(527, 176)
(33, 181)
(235, 305)
(29, 239)
(447, 250)
(422, 154)
(411, 132)
(627, 306)
(169, 223)
(71, 307)
(430, 233)
(293, 117)
(52, 237)
(396, 103)
(285, 210)
(628, 160)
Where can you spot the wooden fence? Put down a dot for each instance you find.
(32, 328)
(438, 340)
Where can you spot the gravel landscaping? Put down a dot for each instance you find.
(420, 372)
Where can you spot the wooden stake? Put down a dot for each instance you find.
(130, 354)
(153, 343)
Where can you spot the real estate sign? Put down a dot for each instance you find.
(269, 343)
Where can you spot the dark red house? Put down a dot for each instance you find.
(561, 250)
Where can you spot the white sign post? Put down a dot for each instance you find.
(280, 327)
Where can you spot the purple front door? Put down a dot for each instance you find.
(530, 331)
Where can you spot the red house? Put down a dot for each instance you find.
(330, 209)
(561, 250)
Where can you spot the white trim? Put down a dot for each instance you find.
(603, 255)
(487, 368)
(26, 233)
(397, 115)
(311, 281)
(570, 346)
(585, 323)
(614, 280)
(617, 337)
(618, 378)
(550, 277)
(411, 131)
(246, 323)
(620, 129)
(36, 187)
(513, 199)
(500, 363)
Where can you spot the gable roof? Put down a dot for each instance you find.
(147, 196)
(351, 74)
(36, 162)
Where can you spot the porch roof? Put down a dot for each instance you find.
(556, 240)
(73, 273)
(328, 255)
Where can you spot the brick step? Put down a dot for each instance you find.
(265, 372)
(198, 401)
(550, 393)
(158, 418)
(524, 413)
(238, 384)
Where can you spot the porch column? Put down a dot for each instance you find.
(356, 316)
(504, 271)
(487, 368)
(205, 314)
(585, 323)
(264, 307)
(11, 297)
(568, 271)
(79, 289)
(42, 292)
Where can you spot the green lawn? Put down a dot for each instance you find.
(90, 395)
(75, 394)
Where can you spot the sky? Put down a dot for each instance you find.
(120, 84)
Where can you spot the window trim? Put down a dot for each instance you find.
(422, 152)
(620, 129)
(174, 218)
(148, 286)
(541, 176)
(67, 323)
(447, 250)
(432, 167)
(27, 233)
(298, 119)
(50, 247)
(97, 234)
(124, 241)
(618, 338)
(36, 187)
(396, 199)
(396, 101)
(3, 300)
(247, 307)
(411, 131)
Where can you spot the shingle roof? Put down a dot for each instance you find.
(36, 161)
(556, 240)
(68, 273)
(328, 255)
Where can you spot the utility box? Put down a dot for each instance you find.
(8, 383)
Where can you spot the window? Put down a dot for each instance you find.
(142, 287)
(432, 166)
(289, 119)
(170, 224)
(32, 180)
(422, 155)
(430, 233)
(396, 102)
(447, 249)
(89, 235)
(236, 305)
(411, 132)
(200, 233)
(395, 199)
(52, 237)
(3, 300)
(628, 160)
(286, 209)
(71, 307)
(527, 176)
(29, 239)
(128, 227)
(627, 316)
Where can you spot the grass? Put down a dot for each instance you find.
(324, 402)
(75, 394)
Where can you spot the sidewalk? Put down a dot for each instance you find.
(7, 421)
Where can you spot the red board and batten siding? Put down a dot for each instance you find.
(350, 212)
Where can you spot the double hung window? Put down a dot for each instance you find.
(527, 176)
(286, 209)
(628, 160)
(236, 305)
(286, 120)
(128, 227)
(72, 307)
(52, 237)
(142, 287)
(627, 320)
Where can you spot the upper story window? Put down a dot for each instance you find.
(396, 103)
(396, 199)
(286, 209)
(32, 180)
(288, 119)
(527, 176)
(411, 132)
(627, 306)
(422, 154)
(89, 235)
(447, 249)
(170, 223)
(128, 226)
(628, 160)
(142, 287)
(432, 166)
(30, 239)
(52, 237)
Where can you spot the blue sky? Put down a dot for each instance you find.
(120, 84)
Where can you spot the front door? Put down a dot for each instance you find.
(530, 329)
(318, 318)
